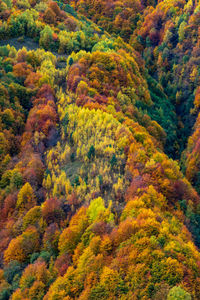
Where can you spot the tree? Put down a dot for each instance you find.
(71, 61)
(50, 16)
(69, 239)
(181, 31)
(26, 197)
(46, 37)
(50, 239)
(23, 246)
(8, 118)
(91, 152)
(16, 179)
(82, 88)
(62, 263)
(32, 217)
(112, 282)
(113, 161)
(10, 271)
(35, 280)
(52, 211)
(55, 8)
(95, 208)
(177, 293)
(8, 3)
(3, 145)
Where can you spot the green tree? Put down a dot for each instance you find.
(113, 161)
(16, 179)
(46, 37)
(91, 152)
(177, 293)
(70, 61)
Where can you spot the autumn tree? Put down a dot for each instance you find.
(26, 197)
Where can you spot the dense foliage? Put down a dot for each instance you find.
(96, 100)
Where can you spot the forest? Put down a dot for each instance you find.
(99, 150)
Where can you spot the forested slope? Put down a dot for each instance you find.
(99, 150)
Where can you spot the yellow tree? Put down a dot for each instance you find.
(26, 197)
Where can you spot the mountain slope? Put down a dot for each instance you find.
(91, 205)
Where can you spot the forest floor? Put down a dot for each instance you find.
(29, 43)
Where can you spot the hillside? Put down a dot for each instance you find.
(99, 150)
